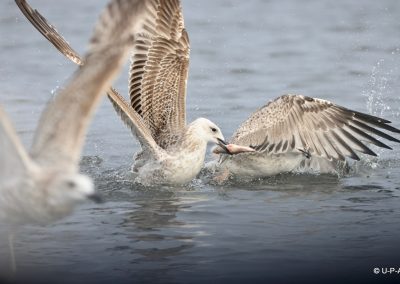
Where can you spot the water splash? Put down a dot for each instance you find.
(381, 100)
(376, 94)
(380, 91)
(54, 91)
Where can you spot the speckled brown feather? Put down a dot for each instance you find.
(159, 71)
(294, 122)
(48, 31)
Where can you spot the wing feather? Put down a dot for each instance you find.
(48, 31)
(134, 122)
(293, 123)
(14, 160)
(159, 71)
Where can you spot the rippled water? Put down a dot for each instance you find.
(281, 229)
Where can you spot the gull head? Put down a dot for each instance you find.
(72, 189)
(209, 131)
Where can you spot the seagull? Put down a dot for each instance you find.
(44, 185)
(295, 133)
(173, 152)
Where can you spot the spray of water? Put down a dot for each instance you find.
(376, 92)
(381, 95)
(380, 89)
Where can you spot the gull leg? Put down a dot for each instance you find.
(13, 264)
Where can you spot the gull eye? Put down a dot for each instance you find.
(213, 129)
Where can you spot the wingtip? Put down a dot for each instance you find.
(354, 156)
(371, 153)
(394, 139)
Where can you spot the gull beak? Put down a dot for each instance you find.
(222, 144)
(96, 198)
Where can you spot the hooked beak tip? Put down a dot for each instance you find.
(223, 144)
(220, 141)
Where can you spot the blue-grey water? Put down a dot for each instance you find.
(285, 229)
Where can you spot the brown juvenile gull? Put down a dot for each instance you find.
(296, 133)
(45, 185)
(173, 152)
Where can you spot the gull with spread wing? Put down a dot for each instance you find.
(173, 152)
(45, 185)
(296, 133)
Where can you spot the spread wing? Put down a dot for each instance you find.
(48, 31)
(14, 160)
(299, 123)
(159, 71)
(130, 118)
(135, 122)
(61, 131)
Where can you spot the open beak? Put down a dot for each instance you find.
(222, 144)
(95, 197)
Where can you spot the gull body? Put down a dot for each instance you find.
(182, 160)
(261, 165)
(295, 133)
